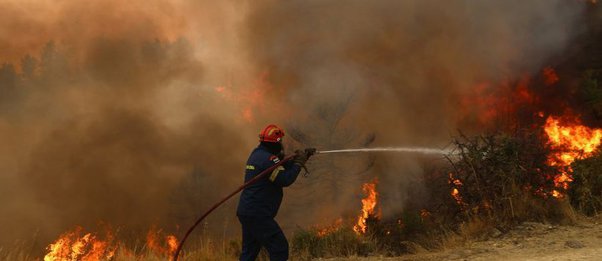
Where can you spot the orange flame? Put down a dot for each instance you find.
(549, 76)
(424, 214)
(78, 245)
(368, 206)
(166, 247)
(573, 141)
(330, 229)
(455, 193)
(488, 102)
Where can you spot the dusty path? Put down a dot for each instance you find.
(530, 241)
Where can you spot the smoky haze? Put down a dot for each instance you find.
(385, 73)
(144, 113)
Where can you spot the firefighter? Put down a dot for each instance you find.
(259, 203)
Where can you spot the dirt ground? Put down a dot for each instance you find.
(528, 241)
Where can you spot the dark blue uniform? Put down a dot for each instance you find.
(259, 204)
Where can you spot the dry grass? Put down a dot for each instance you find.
(202, 250)
(209, 250)
(15, 254)
(344, 241)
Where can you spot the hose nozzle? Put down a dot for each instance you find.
(310, 152)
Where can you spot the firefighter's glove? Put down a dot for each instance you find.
(310, 152)
(300, 157)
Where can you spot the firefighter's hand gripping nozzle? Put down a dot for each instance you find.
(310, 151)
(301, 157)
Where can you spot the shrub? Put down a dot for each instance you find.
(586, 189)
(502, 178)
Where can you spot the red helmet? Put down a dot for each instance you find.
(271, 133)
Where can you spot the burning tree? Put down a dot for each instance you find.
(519, 176)
(570, 141)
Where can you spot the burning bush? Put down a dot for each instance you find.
(367, 234)
(586, 190)
(490, 181)
(501, 177)
(342, 238)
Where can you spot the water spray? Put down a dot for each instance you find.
(420, 150)
(310, 152)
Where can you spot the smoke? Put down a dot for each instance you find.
(143, 113)
(107, 107)
(392, 73)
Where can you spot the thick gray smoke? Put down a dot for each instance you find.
(144, 113)
(109, 109)
(392, 73)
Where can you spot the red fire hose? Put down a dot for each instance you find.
(248, 183)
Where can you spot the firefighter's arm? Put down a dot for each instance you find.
(285, 174)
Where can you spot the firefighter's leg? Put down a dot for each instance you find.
(274, 241)
(250, 243)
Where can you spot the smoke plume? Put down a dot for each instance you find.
(143, 113)
(393, 73)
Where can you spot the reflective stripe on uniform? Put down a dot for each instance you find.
(275, 173)
(250, 167)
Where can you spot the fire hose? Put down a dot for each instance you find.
(286, 159)
(243, 186)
